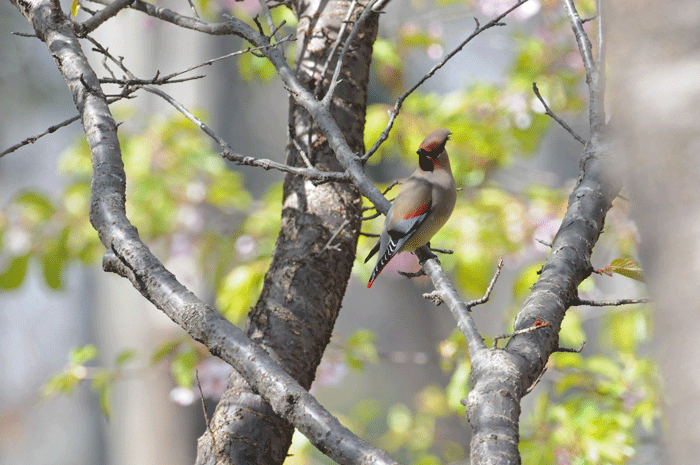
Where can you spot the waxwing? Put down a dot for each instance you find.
(422, 207)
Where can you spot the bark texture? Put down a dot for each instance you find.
(304, 287)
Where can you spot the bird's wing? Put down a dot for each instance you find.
(411, 208)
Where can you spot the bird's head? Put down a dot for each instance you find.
(432, 147)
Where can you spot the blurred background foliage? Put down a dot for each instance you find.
(187, 202)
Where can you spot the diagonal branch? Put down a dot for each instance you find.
(228, 152)
(594, 79)
(339, 64)
(100, 17)
(549, 112)
(397, 106)
(129, 256)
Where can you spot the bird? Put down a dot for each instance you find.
(423, 206)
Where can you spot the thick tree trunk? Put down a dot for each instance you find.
(304, 287)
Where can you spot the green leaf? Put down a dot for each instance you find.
(55, 259)
(603, 366)
(62, 383)
(82, 355)
(239, 290)
(360, 346)
(125, 356)
(182, 367)
(165, 349)
(13, 276)
(105, 393)
(74, 7)
(626, 266)
(35, 206)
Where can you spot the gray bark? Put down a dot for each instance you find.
(304, 287)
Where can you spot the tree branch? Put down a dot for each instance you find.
(131, 258)
(608, 303)
(549, 112)
(100, 17)
(397, 106)
(596, 109)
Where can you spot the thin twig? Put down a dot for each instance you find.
(302, 153)
(326, 101)
(549, 112)
(571, 350)
(111, 10)
(194, 10)
(537, 381)
(608, 303)
(23, 34)
(204, 407)
(371, 217)
(228, 152)
(538, 324)
(442, 251)
(593, 74)
(270, 21)
(435, 297)
(336, 44)
(397, 106)
(544, 243)
(55, 127)
(288, 38)
(147, 82)
(487, 294)
(411, 275)
(335, 234)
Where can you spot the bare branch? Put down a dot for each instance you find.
(334, 48)
(144, 82)
(596, 108)
(194, 10)
(335, 234)
(435, 297)
(544, 243)
(608, 303)
(538, 324)
(204, 405)
(34, 138)
(339, 64)
(442, 251)
(55, 127)
(129, 256)
(570, 350)
(487, 295)
(397, 106)
(448, 293)
(270, 21)
(24, 34)
(228, 152)
(100, 17)
(555, 117)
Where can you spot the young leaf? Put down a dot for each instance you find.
(626, 266)
(82, 355)
(13, 276)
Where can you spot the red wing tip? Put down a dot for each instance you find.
(369, 284)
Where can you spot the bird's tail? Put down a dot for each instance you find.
(391, 249)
